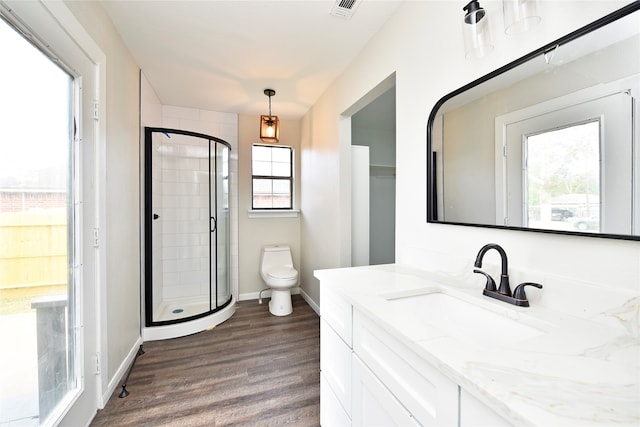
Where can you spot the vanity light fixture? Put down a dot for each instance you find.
(269, 125)
(475, 30)
(520, 15)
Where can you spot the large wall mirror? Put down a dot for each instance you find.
(547, 143)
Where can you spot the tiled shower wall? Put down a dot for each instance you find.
(182, 262)
(156, 198)
(185, 217)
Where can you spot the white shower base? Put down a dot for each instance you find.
(190, 308)
(168, 309)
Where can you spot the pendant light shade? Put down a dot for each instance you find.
(269, 124)
(475, 30)
(520, 15)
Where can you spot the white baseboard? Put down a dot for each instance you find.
(118, 377)
(311, 302)
(294, 291)
(265, 294)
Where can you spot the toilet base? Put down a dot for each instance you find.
(280, 304)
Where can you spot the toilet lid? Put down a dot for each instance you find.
(282, 272)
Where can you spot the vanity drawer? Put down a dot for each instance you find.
(430, 397)
(373, 403)
(337, 313)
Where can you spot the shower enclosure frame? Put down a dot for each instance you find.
(218, 311)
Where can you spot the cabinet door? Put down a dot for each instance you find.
(332, 414)
(373, 403)
(335, 364)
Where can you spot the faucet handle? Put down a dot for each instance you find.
(491, 284)
(520, 295)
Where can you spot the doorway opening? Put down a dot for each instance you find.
(373, 181)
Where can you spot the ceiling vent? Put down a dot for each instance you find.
(344, 8)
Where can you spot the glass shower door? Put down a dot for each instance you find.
(186, 226)
(220, 239)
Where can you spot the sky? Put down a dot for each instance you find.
(35, 108)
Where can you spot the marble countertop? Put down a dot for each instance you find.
(577, 370)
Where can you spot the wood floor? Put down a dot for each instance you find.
(255, 369)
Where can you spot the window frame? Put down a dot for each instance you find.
(289, 178)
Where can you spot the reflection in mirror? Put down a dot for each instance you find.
(562, 179)
(548, 142)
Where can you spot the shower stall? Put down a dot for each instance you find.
(186, 224)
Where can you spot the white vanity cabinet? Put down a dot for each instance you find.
(335, 360)
(402, 347)
(369, 377)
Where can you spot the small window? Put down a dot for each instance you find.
(272, 177)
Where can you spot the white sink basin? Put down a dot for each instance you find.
(461, 319)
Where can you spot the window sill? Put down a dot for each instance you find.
(273, 213)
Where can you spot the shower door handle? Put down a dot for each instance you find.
(156, 216)
(213, 224)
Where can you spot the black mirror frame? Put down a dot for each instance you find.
(432, 206)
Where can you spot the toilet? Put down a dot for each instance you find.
(276, 269)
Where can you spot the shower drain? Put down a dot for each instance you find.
(177, 310)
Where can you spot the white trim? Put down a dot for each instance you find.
(266, 294)
(118, 376)
(311, 302)
(92, 50)
(252, 296)
(273, 213)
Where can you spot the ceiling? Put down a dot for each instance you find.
(220, 55)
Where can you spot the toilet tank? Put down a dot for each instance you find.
(276, 256)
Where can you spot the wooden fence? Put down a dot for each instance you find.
(33, 248)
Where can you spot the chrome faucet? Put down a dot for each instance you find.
(503, 293)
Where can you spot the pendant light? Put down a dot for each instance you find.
(269, 125)
(475, 30)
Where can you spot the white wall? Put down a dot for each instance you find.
(150, 106)
(422, 43)
(259, 231)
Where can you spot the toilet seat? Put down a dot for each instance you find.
(282, 273)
